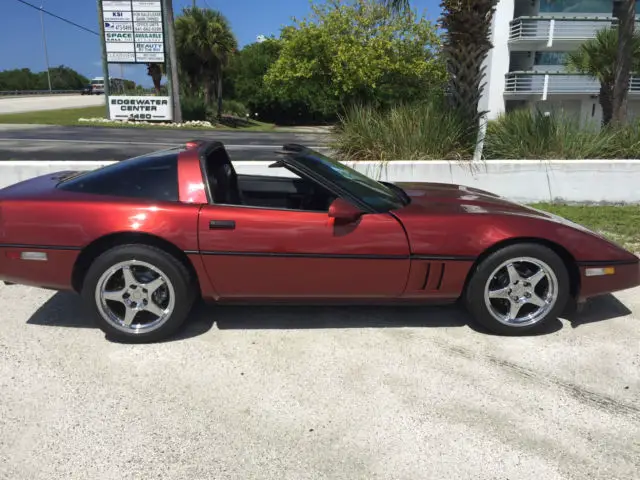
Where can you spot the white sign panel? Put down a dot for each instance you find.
(140, 108)
(149, 47)
(120, 47)
(119, 37)
(117, 16)
(117, 5)
(149, 27)
(133, 27)
(150, 57)
(147, 17)
(118, 27)
(121, 57)
(148, 37)
(151, 6)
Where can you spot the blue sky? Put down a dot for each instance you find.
(21, 38)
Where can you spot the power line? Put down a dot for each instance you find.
(59, 17)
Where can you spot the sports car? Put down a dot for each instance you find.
(142, 239)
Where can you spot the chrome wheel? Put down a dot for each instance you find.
(135, 297)
(521, 291)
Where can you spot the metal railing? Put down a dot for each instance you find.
(17, 93)
(557, 28)
(557, 83)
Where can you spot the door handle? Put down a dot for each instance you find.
(222, 225)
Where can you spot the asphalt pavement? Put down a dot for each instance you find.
(318, 393)
(19, 142)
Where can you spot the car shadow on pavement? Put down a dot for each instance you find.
(67, 310)
(343, 316)
(598, 309)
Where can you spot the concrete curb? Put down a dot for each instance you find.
(597, 181)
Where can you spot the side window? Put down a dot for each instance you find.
(150, 177)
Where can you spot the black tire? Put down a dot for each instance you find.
(176, 272)
(474, 296)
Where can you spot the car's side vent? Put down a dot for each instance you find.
(433, 276)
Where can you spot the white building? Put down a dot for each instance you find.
(525, 67)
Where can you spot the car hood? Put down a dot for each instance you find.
(452, 199)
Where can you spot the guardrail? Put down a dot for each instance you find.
(19, 93)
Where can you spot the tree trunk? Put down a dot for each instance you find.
(606, 103)
(467, 41)
(626, 26)
(207, 93)
(219, 95)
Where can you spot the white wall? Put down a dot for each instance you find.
(497, 61)
(519, 180)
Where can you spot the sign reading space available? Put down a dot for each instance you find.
(140, 108)
(133, 31)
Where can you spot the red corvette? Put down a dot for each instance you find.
(142, 239)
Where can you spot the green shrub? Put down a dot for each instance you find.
(523, 134)
(235, 108)
(421, 131)
(194, 108)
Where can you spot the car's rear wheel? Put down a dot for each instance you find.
(518, 289)
(138, 293)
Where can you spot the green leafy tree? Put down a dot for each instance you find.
(356, 52)
(62, 78)
(204, 42)
(597, 58)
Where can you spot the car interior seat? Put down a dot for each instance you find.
(223, 179)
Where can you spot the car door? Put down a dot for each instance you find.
(251, 252)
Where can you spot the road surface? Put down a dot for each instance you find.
(296, 393)
(103, 143)
(34, 103)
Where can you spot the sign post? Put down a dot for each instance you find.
(133, 32)
(105, 64)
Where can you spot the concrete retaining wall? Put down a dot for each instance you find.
(519, 180)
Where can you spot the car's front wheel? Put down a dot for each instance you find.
(138, 293)
(518, 289)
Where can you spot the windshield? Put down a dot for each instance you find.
(375, 194)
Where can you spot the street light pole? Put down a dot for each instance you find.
(44, 43)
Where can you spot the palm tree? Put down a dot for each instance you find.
(467, 41)
(597, 58)
(625, 11)
(204, 42)
(156, 71)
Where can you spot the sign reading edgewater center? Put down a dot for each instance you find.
(140, 108)
(133, 31)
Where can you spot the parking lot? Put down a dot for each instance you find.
(318, 393)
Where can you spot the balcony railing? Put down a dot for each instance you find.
(544, 84)
(546, 29)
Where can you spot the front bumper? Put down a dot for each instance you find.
(624, 276)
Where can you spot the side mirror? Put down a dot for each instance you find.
(344, 211)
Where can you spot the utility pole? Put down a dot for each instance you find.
(172, 61)
(44, 43)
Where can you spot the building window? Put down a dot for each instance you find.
(550, 58)
(604, 7)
